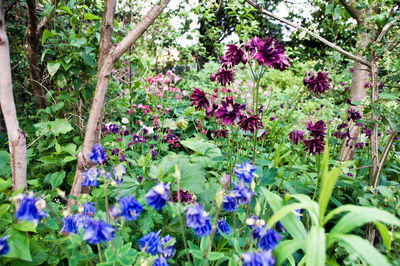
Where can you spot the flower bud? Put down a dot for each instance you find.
(182, 124)
(213, 77)
(250, 221)
(219, 197)
(257, 209)
(177, 173)
(225, 180)
(40, 204)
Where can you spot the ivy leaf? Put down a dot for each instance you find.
(53, 67)
(47, 34)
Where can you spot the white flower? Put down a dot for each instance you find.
(124, 120)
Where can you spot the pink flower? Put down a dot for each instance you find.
(130, 111)
(203, 132)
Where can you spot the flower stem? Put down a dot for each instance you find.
(99, 249)
(181, 225)
(210, 240)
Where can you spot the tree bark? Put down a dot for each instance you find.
(108, 55)
(16, 137)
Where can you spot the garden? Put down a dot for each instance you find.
(200, 132)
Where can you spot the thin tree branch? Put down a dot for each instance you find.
(42, 24)
(354, 13)
(294, 25)
(138, 30)
(385, 30)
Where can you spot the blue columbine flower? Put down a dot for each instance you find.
(262, 258)
(97, 155)
(81, 220)
(130, 208)
(28, 210)
(258, 231)
(114, 212)
(229, 204)
(242, 194)
(223, 227)
(88, 208)
(90, 177)
(269, 240)
(203, 230)
(68, 225)
(244, 172)
(4, 248)
(119, 173)
(195, 216)
(98, 231)
(150, 243)
(168, 246)
(157, 196)
(160, 261)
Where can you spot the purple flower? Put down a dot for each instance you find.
(228, 111)
(341, 126)
(296, 136)
(157, 196)
(113, 128)
(203, 230)
(97, 154)
(224, 76)
(217, 134)
(270, 53)
(251, 123)
(251, 46)
(360, 145)
(90, 177)
(314, 145)
(199, 99)
(366, 131)
(353, 115)
(185, 196)
(98, 231)
(269, 240)
(137, 138)
(30, 209)
(114, 212)
(229, 204)
(317, 130)
(211, 110)
(318, 83)
(119, 172)
(262, 258)
(196, 216)
(88, 208)
(245, 172)
(242, 194)
(130, 208)
(4, 248)
(235, 55)
(168, 245)
(115, 151)
(68, 225)
(160, 261)
(223, 227)
(150, 243)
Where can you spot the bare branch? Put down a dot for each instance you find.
(385, 30)
(138, 30)
(356, 14)
(294, 25)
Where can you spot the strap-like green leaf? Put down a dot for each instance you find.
(315, 250)
(327, 184)
(287, 248)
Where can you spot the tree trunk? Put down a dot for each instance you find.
(16, 137)
(108, 55)
(33, 46)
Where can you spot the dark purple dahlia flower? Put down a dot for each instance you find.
(318, 83)
(270, 53)
(251, 123)
(317, 130)
(314, 145)
(199, 99)
(296, 136)
(235, 55)
(251, 46)
(217, 134)
(228, 111)
(353, 115)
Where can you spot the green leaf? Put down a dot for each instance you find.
(77, 42)
(385, 235)
(311, 206)
(25, 226)
(197, 253)
(357, 245)
(337, 12)
(56, 127)
(19, 245)
(215, 256)
(47, 34)
(287, 248)
(388, 96)
(91, 16)
(3, 209)
(5, 169)
(52, 67)
(56, 179)
(204, 148)
(327, 184)
(328, 9)
(66, 9)
(290, 222)
(204, 242)
(315, 250)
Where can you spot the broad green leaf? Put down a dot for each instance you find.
(357, 245)
(25, 226)
(56, 179)
(19, 245)
(56, 127)
(280, 214)
(3, 209)
(52, 67)
(91, 16)
(215, 256)
(327, 184)
(315, 250)
(197, 253)
(77, 42)
(290, 222)
(385, 235)
(337, 12)
(204, 148)
(287, 248)
(5, 169)
(66, 9)
(47, 34)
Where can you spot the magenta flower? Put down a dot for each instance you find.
(270, 53)
(234, 55)
(296, 136)
(217, 134)
(199, 99)
(318, 83)
(228, 111)
(251, 46)
(317, 130)
(353, 115)
(251, 123)
(223, 76)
